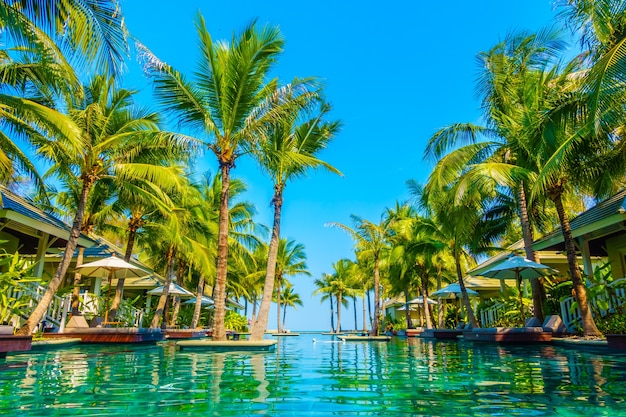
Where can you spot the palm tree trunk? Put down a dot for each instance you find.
(332, 314)
(466, 301)
(160, 308)
(339, 302)
(175, 310)
(284, 313)
(278, 306)
(364, 312)
(38, 314)
(527, 234)
(440, 305)
(407, 312)
(198, 306)
(119, 290)
(77, 280)
(369, 307)
(588, 324)
(356, 324)
(219, 293)
(260, 325)
(375, 323)
(429, 324)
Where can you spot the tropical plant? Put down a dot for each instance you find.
(289, 150)
(236, 322)
(371, 240)
(113, 135)
(228, 103)
(16, 272)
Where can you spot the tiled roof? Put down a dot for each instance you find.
(10, 201)
(615, 205)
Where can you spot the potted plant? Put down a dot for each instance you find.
(614, 328)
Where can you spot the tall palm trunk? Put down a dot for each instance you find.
(77, 279)
(429, 323)
(278, 306)
(284, 313)
(133, 225)
(375, 324)
(38, 314)
(260, 325)
(339, 302)
(160, 308)
(407, 312)
(466, 301)
(198, 306)
(332, 314)
(440, 305)
(588, 324)
(369, 307)
(356, 324)
(175, 310)
(527, 234)
(219, 293)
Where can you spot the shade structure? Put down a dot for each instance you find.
(452, 291)
(111, 267)
(420, 300)
(205, 301)
(173, 289)
(519, 268)
(403, 308)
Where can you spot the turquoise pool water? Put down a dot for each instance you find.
(405, 377)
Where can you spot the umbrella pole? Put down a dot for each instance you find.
(521, 303)
(106, 305)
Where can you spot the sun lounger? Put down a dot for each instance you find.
(509, 335)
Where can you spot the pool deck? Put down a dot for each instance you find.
(110, 335)
(355, 338)
(228, 345)
(48, 344)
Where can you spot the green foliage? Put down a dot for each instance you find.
(613, 324)
(235, 321)
(556, 292)
(16, 273)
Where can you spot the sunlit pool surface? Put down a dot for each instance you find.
(405, 377)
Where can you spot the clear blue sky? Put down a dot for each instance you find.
(395, 72)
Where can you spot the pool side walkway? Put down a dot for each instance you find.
(228, 345)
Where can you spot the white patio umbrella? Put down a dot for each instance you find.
(112, 267)
(173, 289)
(519, 268)
(420, 300)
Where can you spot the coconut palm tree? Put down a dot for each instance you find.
(113, 134)
(341, 284)
(371, 240)
(291, 261)
(47, 40)
(324, 287)
(501, 160)
(289, 151)
(290, 298)
(227, 104)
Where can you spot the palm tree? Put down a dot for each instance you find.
(340, 282)
(288, 152)
(289, 299)
(113, 134)
(291, 261)
(371, 240)
(501, 160)
(228, 103)
(324, 287)
(46, 37)
(601, 28)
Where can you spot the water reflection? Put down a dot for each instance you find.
(326, 377)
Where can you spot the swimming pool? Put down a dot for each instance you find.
(404, 377)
